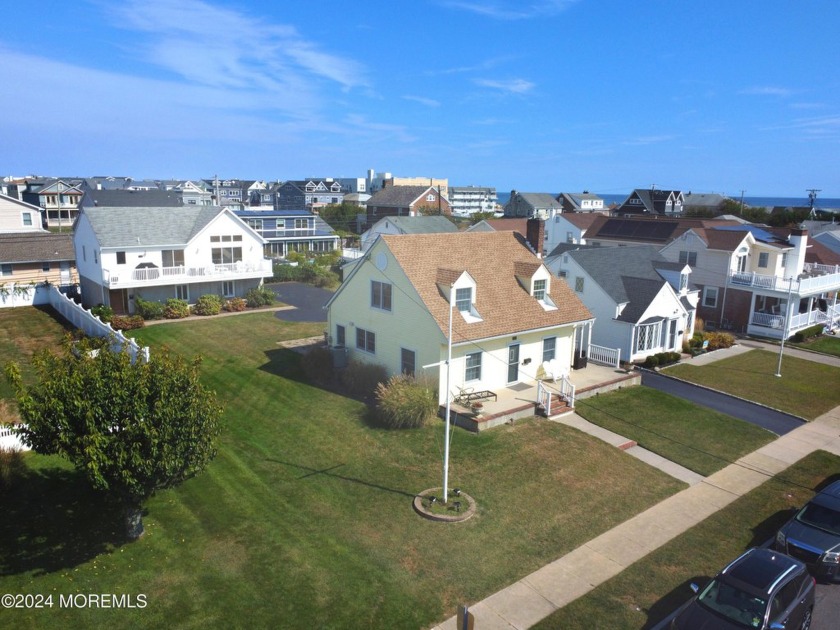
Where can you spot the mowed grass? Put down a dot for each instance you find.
(652, 588)
(304, 519)
(826, 344)
(698, 438)
(806, 388)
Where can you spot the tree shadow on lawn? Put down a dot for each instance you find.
(668, 605)
(53, 520)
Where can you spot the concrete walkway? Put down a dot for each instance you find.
(534, 597)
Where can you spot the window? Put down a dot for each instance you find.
(45, 266)
(430, 197)
(257, 224)
(27, 219)
(95, 257)
(84, 253)
(710, 297)
(5, 270)
(380, 295)
(173, 257)
(120, 258)
(340, 338)
(579, 284)
(463, 299)
(473, 372)
(683, 282)
(647, 337)
(784, 260)
(763, 259)
(407, 361)
(570, 236)
(227, 288)
(549, 348)
(182, 292)
(227, 252)
(539, 289)
(301, 224)
(688, 258)
(366, 340)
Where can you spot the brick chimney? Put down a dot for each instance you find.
(535, 235)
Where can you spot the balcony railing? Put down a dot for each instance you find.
(814, 279)
(183, 274)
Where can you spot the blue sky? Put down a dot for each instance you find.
(539, 95)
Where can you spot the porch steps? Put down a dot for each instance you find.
(557, 407)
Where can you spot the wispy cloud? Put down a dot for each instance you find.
(428, 102)
(511, 10)
(765, 90)
(216, 46)
(487, 64)
(514, 86)
(646, 140)
(360, 123)
(816, 127)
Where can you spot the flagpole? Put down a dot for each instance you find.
(448, 395)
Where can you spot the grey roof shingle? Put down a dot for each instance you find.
(27, 247)
(132, 198)
(157, 227)
(434, 224)
(397, 196)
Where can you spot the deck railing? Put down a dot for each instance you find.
(611, 357)
(181, 272)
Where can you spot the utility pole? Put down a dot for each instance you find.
(741, 213)
(812, 197)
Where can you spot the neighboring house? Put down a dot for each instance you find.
(581, 202)
(19, 216)
(621, 231)
(652, 201)
(829, 239)
(527, 205)
(642, 303)
(568, 227)
(406, 201)
(59, 200)
(227, 193)
(287, 231)
(508, 313)
(704, 203)
(192, 193)
(434, 224)
(158, 253)
(129, 198)
(308, 194)
(501, 225)
(749, 275)
(467, 200)
(258, 195)
(32, 258)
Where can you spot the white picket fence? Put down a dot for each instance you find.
(92, 326)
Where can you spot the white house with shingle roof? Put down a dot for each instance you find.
(508, 313)
(161, 253)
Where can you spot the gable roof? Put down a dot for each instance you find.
(434, 224)
(113, 198)
(581, 220)
(649, 229)
(398, 196)
(502, 225)
(155, 227)
(536, 200)
(492, 259)
(25, 247)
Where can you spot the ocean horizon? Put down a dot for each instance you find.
(761, 202)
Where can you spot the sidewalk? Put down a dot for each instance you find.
(536, 596)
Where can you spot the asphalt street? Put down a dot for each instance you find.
(776, 421)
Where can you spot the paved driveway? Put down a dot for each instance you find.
(308, 301)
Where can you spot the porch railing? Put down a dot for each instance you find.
(181, 272)
(563, 387)
(611, 357)
(818, 278)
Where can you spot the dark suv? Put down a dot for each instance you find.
(761, 589)
(813, 535)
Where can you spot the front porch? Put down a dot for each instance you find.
(521, 400)
(770, 318)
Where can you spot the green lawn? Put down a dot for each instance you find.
(304, 519)
(652, 588)
(826, 344)
(805, 389)
(698, 438)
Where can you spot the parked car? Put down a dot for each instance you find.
(813, 535)
(761, 589)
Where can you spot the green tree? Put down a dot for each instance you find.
(342, 216)
(130, 428)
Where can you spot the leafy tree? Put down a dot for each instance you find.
(477, 217)
(130, 428)
(342, 216)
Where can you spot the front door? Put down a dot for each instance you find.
(118, 300)
(513, 363)
(672, 335)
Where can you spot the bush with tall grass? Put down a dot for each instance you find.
(405, 403)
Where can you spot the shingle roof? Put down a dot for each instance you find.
(434, 224)
(127, 227)
(132, 198)
(581, 220)
(397, 196)
(509, 225)
(491, 259)
(24, 247)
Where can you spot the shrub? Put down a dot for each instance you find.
(149, 310)
(105, 313)
(259, 297)
(127, 322)
(718, 340)
(208, 304)
(11, 467)
(176, 309)
(317, 365)
(404, 403)
(235, 305)
(652, 361)
(296, 257)
(808, 333)
(286, 273)
(360, 379)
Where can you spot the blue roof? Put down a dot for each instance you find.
(758, 233)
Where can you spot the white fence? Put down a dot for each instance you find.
(23, 294)
(92, 326)
(610, 357)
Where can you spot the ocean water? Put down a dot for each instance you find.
(793, 202)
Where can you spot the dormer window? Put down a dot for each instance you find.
(683, 282)
(539, 289)
(463, 299)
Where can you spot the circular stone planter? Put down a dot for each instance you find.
(467, 507)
